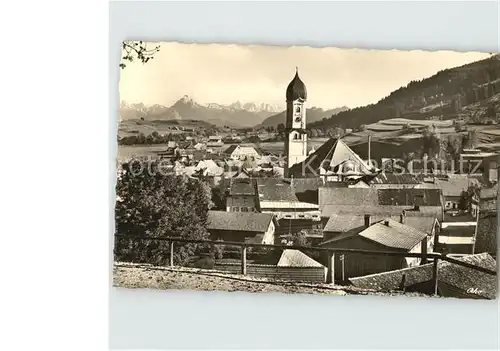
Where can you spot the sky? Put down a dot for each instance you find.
(334, 77)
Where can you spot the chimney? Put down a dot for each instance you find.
(367, 220)
(386, 223)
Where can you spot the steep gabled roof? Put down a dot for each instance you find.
(231, 149)
(329, 156)
(296, 258)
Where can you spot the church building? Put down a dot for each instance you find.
(333, 161)
(295, 125)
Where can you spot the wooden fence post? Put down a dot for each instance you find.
(435, 275)
(330, 275)
(171, 247)
(244, 260)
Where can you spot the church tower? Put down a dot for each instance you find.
(295, 125)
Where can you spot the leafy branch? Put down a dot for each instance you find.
(137, 50)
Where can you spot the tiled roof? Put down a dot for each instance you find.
(420, 197)
(347, 222)
(452, 274)
(239, 221)
(344, 223)
(454, 186)
(230, 149)
(296, 258)
(489, 193)
(424, 224)
(392, 178)
(243, 186)
(394, 234)
(329, 156)
(371, 196)
(273, 189)
(348, 196)
(388, 281)
(423, 211)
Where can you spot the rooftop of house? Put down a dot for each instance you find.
(393, 178)
(273, 189)
(393, 234)
(420, 197)
(489, 193)
(344, 223)
(231, 149)
(245, 186)
(239, 221)
(296, 258)
(422, 211)
(348, 222)
(424, 202)
(386, 232)
(455, 186)
(460, 277)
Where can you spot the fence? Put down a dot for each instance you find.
(245, 268)
(304, 274)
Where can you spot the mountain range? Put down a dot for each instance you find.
(237, 114)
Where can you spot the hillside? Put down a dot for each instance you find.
(135, 126)
(313, 114)
(235, 115)
(445, 95)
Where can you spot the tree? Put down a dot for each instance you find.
(466, 198)
(299, 238)
(281, 128)
(137, 51)
(431, 142)
(151, 203)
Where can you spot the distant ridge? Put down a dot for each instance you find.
(237, 114)
(447, 94)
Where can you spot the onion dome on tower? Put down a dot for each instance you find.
(296, 89)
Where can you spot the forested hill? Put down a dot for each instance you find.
(444, 94)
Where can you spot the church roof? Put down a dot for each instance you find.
(333, 155)
(296, 89)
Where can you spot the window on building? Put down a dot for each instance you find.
(297, 110)
(296, 136)
(235, 209)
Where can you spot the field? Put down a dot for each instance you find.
(276, 147)
(134, 127)
(389, 130)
